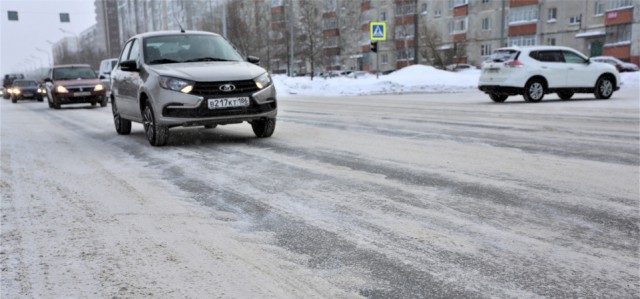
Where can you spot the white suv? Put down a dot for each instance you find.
(538, 70)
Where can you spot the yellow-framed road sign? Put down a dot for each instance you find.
(378, 31)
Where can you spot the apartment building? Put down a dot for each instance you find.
(449, 31)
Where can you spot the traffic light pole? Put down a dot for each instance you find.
(377, 64)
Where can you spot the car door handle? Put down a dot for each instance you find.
(571, 69)
(543, 67)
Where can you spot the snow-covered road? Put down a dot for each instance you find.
(413, 196)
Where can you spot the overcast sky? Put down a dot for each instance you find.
(39, 21)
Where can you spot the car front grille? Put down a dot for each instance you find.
(204, 111)
(213, 88)
(81, 88)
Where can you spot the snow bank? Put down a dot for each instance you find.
(412, 79)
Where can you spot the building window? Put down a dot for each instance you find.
(334, 60)
(423, 10)
(456, 3)
(405, 9)
(485, 50)
(575, 20)
(618, 35)
(551, 41)
(522, 40)
(331, 42)
(330, 5)
(460, 25)
(615, 4)
(404, 31)
(276, 3)
(486, 24)
(523, 14)
(553, 14)
(486, 1)
(404, 54)
(598, 9)
(437, 13)
(383, 16)
(331, 23)
(385, 58)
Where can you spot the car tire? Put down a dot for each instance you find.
(534, 91)
(156, 134)
(264, 128)
(123, 126)
(604, 88)
(56, 102)
(498, 98)
(104, 101)
(14, 100)
(93, 103)
(565, 95)
(210, 126)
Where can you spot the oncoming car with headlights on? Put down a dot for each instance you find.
(189, 78)
(74, 84)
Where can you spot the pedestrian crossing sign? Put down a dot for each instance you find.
(378, 30)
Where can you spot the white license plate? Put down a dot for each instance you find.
(28, 94)
(228, 103)
(82, 94)
(493, 70)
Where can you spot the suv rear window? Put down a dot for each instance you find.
(547, 56)
(503, 55)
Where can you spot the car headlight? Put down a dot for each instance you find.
(99, 87)
(16, 91)
(41, 90)
(61, 89)
(263, 81)
(175, 84)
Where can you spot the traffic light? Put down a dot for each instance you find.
(12, 15)
(374, 47)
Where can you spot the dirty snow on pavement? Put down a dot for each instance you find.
(414, 196)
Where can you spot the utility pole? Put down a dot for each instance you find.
(416, 37)
(502, 13)
(224, 19)
(291, 38)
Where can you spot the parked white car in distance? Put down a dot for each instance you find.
(538, 70)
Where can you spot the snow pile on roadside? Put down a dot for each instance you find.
(412, 79)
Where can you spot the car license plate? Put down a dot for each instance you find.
(82, 94)
(493, 70)
(228, 103)
(28, 94)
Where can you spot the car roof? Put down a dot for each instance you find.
(535, 48)
(173, 32)
(70, 66)
(24, 80)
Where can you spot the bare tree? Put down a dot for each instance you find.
(311, 35)
(430, 46)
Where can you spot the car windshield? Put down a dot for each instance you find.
(502, 55)
(188, 48)
(25, 83)
(72, 73)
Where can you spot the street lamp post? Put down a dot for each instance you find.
(48, 55)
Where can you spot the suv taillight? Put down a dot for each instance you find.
(514, 63)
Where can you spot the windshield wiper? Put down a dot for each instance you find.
(206, 59)
(163, 60)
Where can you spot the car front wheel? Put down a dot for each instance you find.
(604, 88)
(156, 134)
(264, 127)
(534, 91)
(123, 126)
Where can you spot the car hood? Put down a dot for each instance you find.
(27, 88)
(78, 82)
(209, 71)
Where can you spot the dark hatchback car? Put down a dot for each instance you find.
(25, 89)
(194, 78)
(74, 84)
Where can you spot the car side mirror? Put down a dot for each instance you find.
(129, 66)
(102, 77)
(253, 59)
(47, 80)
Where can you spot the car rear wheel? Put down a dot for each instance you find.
(156, 134)
(210, 126)
(264, 127)
(498, 98)
(565, 95)
(14, 100)
(534, 91)
(103, 103)
(123, 126)
(604, 88)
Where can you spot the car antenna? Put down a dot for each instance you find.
(179, 25)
